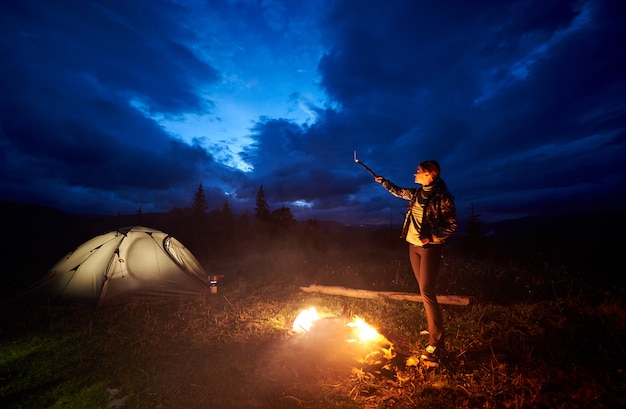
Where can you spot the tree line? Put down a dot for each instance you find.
(221, 230)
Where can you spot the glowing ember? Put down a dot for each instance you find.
(304, 320)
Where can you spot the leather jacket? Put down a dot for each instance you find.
(439, 217)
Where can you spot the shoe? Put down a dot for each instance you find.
(433, 354)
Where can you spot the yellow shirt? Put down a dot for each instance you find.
(417, 214)
(413, 234)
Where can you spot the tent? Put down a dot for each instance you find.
(131, 263)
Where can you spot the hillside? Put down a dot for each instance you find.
(37, 237)
(536, 334)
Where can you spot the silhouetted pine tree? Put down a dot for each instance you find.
(282, 218)
(200, 204)
(262, 209)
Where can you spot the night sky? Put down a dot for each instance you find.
(108, 107)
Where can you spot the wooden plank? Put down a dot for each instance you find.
(391, 295)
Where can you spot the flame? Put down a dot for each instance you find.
(361, 331)
(304, 320)
(364, 331)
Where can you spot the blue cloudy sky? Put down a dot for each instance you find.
(111, 106)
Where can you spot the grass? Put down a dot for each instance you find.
(536, 336)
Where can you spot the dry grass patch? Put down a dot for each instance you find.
(550, 345)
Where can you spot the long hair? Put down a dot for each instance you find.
(431, 166)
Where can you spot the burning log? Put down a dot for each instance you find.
(391, 295)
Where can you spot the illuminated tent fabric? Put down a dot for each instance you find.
(131, 263)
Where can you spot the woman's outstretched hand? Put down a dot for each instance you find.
(379, 179)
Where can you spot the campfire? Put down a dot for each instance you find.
(357, 330)
(347, 337)
(348, 341)
(345, 351)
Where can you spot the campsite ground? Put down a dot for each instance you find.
(539, 333)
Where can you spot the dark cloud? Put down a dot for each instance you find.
(509, 98)
(521, 102)
(69, 127)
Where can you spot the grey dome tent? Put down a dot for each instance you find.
(131, 263)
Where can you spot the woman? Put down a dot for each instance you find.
(429, 221)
